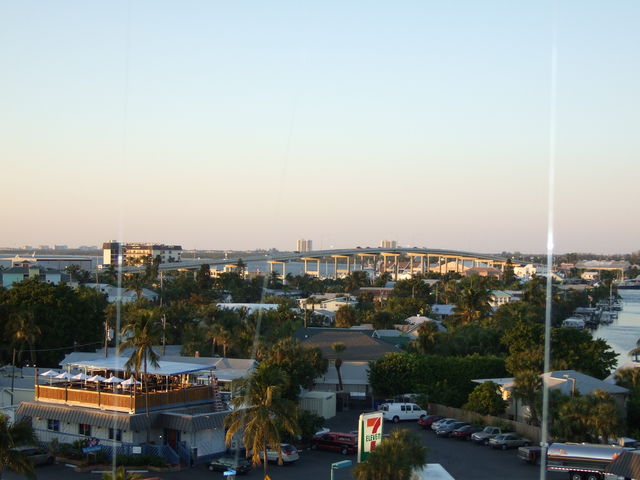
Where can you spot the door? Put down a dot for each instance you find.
(171, 438)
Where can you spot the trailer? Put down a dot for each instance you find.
(582, 461)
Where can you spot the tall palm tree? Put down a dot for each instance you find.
(634, 352)
(338, 348)
(23, 331)
(395, 458)
(261, 413)
(12, 436)
(141, 332)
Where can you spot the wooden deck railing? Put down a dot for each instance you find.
(132, 402)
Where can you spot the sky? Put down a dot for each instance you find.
(251, 124)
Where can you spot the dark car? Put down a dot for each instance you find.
(464, 432)
(336, 442)
(222, 464)
(37, 456)
(445, 430)
(426, 421)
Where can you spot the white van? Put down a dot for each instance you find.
(401, 411)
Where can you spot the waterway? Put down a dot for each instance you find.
(624, 332)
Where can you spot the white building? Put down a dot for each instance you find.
(303, 245)
(393, 244)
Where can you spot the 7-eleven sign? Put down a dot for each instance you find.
(369, 434)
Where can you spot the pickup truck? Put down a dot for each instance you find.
(487, 434)
(530, 454)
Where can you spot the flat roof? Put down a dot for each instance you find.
(165, 368)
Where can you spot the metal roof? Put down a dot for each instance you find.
(123, 421)
(164, 368)
(626, 465)
(192, 422)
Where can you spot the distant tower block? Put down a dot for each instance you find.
(304, 245)
(388, 244)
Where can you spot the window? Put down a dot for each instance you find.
(403, 408)
(53, 425)
(115, 434)
(84, 429)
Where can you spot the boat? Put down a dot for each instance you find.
(574, 322)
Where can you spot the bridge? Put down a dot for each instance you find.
(345, 261)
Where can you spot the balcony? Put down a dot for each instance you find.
(133, 401)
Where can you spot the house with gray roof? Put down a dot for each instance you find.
(566, 381)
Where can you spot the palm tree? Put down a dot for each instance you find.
(22, 329)
(472, 304)
(12, 436)
(121, 474)
(142, 332)
(395, 458)
(261, 413)
(338, 348)
(628, 377)
(427, 336)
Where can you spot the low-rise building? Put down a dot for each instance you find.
(175, 414)
(18, 274)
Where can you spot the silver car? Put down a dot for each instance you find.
(441, 423)
(509, 440)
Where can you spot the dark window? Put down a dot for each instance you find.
(53, 425)
(84, 429)
(115, 434)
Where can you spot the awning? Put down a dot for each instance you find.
(166, 369)
(75, 415)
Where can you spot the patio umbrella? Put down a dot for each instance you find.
(96, 378)
(113, 380)
(130, 381)
(80, 376)
(64, 376)
(50, 374)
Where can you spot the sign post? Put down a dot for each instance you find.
(369, 434)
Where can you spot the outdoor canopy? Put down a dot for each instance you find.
(165, 369)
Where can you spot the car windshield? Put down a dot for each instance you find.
(488, 429)
(288, 448)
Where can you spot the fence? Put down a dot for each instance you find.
(529, 431)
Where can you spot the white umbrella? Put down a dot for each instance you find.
(64, 376)
(80, 376)
(113, 379)
(130, 381)
(50, 373)
(96, 378)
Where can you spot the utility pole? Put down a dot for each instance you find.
(164, 326)
(13, 372)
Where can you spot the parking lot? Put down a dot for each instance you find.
(463, 460)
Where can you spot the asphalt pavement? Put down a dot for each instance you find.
(462, 459)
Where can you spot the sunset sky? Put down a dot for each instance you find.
(250, 124)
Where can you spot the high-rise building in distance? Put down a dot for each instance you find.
(304, 245)
(388, 244)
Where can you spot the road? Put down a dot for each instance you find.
(463, 460)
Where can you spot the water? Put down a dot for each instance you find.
(623, 333)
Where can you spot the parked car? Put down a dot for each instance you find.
(401, 411)
(509, 440)
(530, 454)
(36, 455)
(289, 454)
(336, 442)
(436, 425)
(222, 464)
(446, 429)
(486, 434)
(426, 421)
(464, 432)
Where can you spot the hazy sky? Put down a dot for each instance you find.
(250, 124)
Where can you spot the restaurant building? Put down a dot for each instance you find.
(177, 413)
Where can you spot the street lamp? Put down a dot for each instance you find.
(337, 465)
